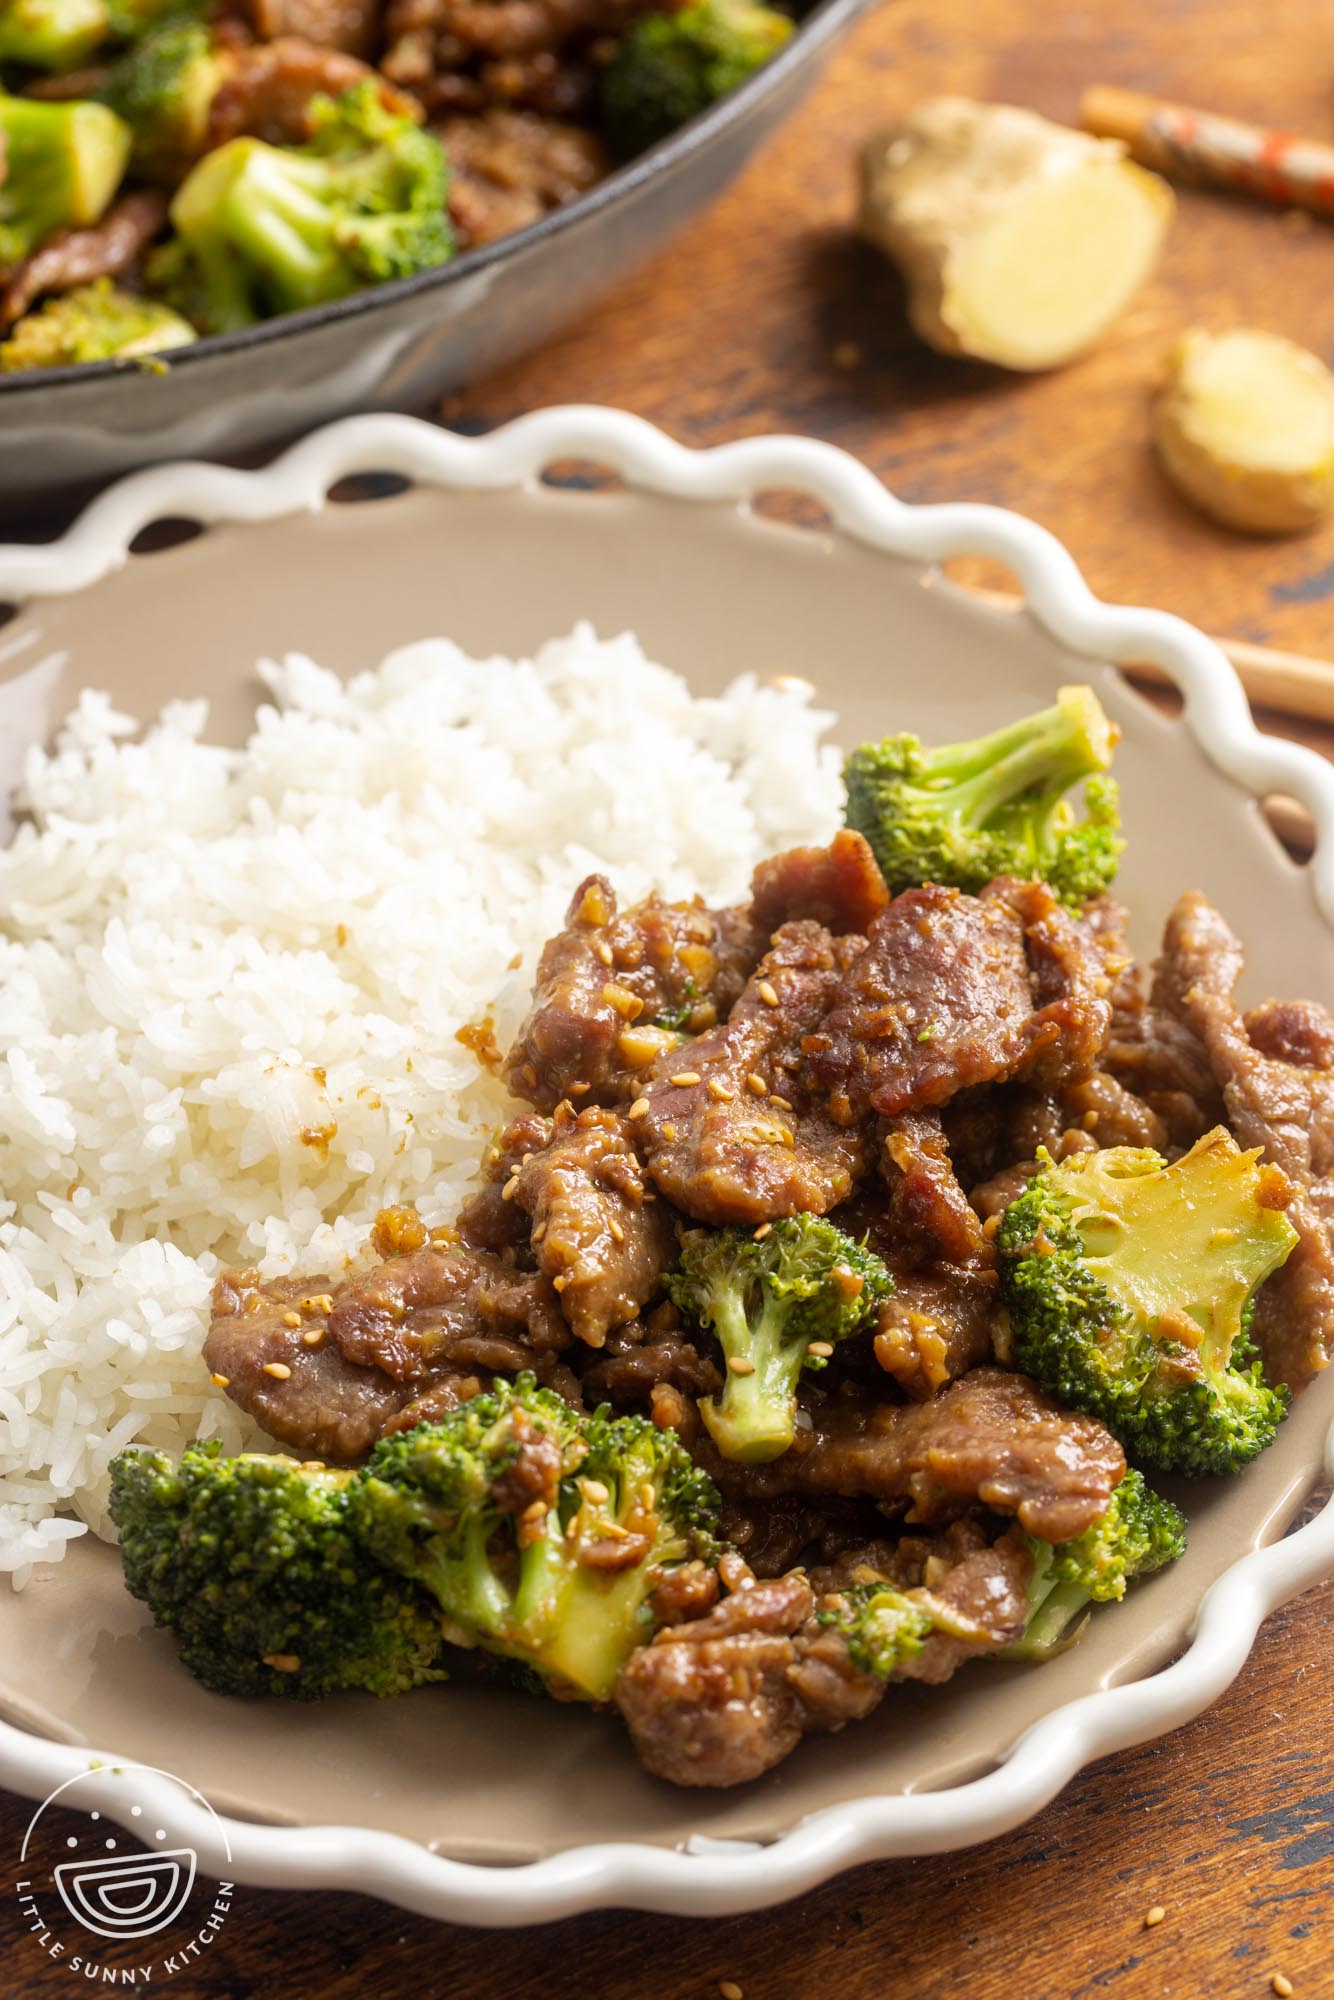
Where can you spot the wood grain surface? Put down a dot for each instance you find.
(772, 317)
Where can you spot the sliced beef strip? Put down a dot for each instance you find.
(601, 1235)
(1272, 1100)
(775, 1536)
(991, 1439)
(604, 980)
(937, 1324)
(349, 25)
(730, 1132)
(641, 1357)
(722, 1699)
(839, 886)
(270, 87)
(80, 256)
(489, 1219)
(955, 991)
(709, 1702)
(978, 1576)
(402, 1341)
(510, 166)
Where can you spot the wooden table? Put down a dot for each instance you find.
(773, 317)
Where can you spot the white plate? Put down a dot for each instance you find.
(485, 551)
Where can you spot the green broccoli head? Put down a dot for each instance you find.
(1140, 1532)
(60, 35)
(94, 323)
(1129, 1286)
(63, 164)
(541, 1534)
(670, 66)
(251, 1563)
(777, 1303)
(968, 812)
(164, 88)
(268, 229)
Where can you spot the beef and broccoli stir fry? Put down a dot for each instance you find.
(172, 168)
(852, 1262)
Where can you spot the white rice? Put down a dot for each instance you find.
(207, 953)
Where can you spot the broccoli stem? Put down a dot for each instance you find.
(51, 35)
(755, 1418)
(63, 164)
(1036, 760)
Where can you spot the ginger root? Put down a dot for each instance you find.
(1020, 240)
(1244, 426)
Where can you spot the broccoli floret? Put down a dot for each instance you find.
(59, 35)
(63, 163)
(881, 1625)
(268, 229)
(1139, 1533)
(541, 1534)
(1129, 1286)
(95, 323)
(164, 89)
(767, 1300)
(670, 66)
(968, 812)
(251, 1563)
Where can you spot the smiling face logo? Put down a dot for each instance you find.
(105, 1851)
(130, 1895)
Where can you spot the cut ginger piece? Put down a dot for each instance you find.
(1244, 426)
(1020, 241)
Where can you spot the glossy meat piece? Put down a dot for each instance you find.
(349, 25)
(600, 1233)
(709, 1702)
(937, 1325)
(81, 256)
(489, 1220)
(991, 1439)
(956, 991)
(603, 982)
(730, 1133)
(839, 886)
(639, 1358)
(404, 1340)
(929, 1215)
(1281, 1101)
(510, 164)
(978, 1579)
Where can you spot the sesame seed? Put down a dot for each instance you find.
(539, 1232)
(767, 994)
(278, 1369)
(684, 1078)
(638, 1108)
(1154, 1916)
(291, 1319)
(763, 1231)
(739, 1365)
(283, 1663)
(536, 1510)
(507, 1192)
(729, 1990)
(313, 1337)
(820, 1348)
(220, 1381)
(603, 950)
(718, 1089)
(616, 1531)
(593, 1490)
(757, 1084)
(312, 1465)
(781, 1102)
(648, 1499)
(1281, 1984)
(669, 1133)
(615, 1231)
(559, 1284)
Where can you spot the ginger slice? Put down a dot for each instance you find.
(1244, 426)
